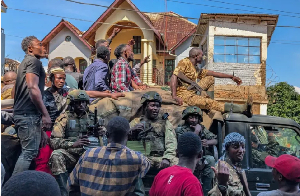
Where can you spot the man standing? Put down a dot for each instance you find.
(192, 117)
(70, 135)
(9, 81)
(109, 170)
(157, 131)
(121, 73)
(70, 69)
(286, 172)
(29, 106)
(55, 100)
(179, 180)
(184, 85)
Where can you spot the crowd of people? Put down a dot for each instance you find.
(57, 131)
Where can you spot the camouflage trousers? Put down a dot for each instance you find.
(155, 161)
(203, 101)
(62, 161)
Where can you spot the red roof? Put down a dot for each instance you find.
(3, 4)
(178, 28)
(62, 24)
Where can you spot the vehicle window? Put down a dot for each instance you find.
(273, 141)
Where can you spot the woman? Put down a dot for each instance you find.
(230, 178)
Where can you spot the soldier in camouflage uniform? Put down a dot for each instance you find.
(193, 117)
(69, 137)
(155, 132)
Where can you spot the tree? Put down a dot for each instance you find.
(284, 101)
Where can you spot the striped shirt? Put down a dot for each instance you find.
(108, 170)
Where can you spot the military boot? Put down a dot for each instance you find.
(62, 179)
(245, 109)
(207, 184)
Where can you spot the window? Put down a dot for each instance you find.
(68, 38)
(154, 63)
(137, 45)
(82, 65)
(169, 68)
(274, 141)
(236, 50)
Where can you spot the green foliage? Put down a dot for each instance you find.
(284, 101)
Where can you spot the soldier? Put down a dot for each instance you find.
(157, 130)
(230, 178)
(69, 137)
(192, 116)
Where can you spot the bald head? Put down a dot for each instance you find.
(10, 78)
(194, 52)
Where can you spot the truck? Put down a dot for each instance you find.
(285, 131)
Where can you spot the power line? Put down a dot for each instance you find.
(226, 8)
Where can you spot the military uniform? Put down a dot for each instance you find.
(162, 142)
(206, 83)
(235, 186)
(259, 154)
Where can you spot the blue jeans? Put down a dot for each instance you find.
(28, 128)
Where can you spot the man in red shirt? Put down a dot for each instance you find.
(179, 180)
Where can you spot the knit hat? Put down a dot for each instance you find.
(32, 183)
(233, 137)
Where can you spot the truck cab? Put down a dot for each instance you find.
(267, 134)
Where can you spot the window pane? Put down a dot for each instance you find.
(254, 51)
(230, 41)
(230, 50)
(254, 59)
(243, 50)
(219, 58)
(242, 41)
(254, 42)
(219, 40)
(219, 49)
(242, 59)
(230, 58)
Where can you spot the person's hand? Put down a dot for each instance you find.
(44, 139)
(107, 91)
(197, 129)
(131, 42)
(142, 87)
(204, 143)
(164, 164)
(146, 60)
(178, 100)
(222, 174)
(47, 123)
(116, 31)
(237, 80)
(116, 96)
(83, 141)
(138, 127)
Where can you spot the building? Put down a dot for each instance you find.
(3, 10)
(237, 43)
(160, 35)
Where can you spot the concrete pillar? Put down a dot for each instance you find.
(145, 66)
(150, 67)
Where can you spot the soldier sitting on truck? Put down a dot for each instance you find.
(157, 130)
(192, 116)
(230, 178)
(71, 136)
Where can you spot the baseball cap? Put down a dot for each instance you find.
(287, 165)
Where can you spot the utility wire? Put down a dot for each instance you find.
(227, 8)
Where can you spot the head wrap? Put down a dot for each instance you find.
(233, 137)
(57, 70)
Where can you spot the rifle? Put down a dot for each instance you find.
(193, 85)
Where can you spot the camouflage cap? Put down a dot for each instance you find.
(77, 95)
(191, 110)
(151, 96)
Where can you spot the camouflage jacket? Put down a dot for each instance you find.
(259, 154)
(59, 138)
(235, 186)
(162, 134)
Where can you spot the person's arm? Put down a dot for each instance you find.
(222, 75)
(32, 81)
(135, 77)
(170, 142)
(114, 33)
(98, 94)
(73, 181)
(145, 166)
(121, 77)
(100, 79)
(173, 86)
(138, 66)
